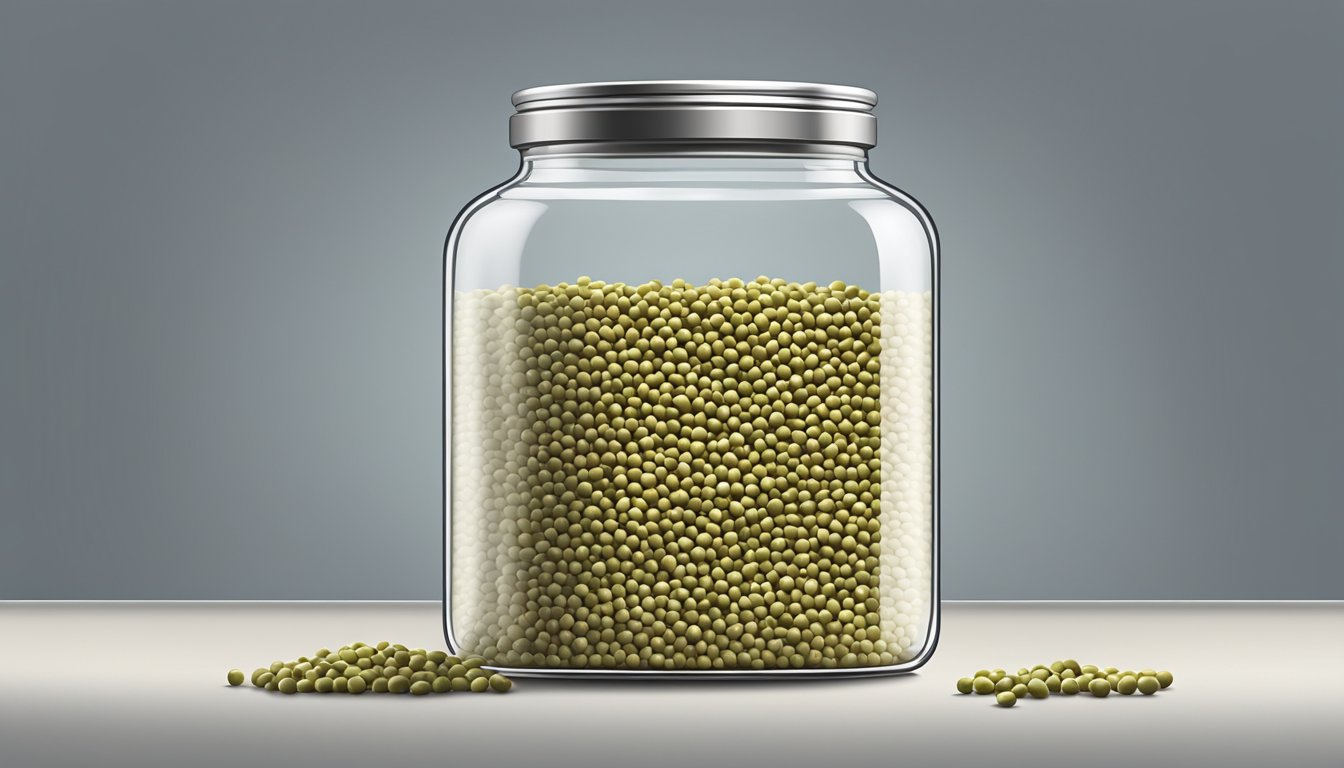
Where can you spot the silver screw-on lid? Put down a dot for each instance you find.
(693, 111)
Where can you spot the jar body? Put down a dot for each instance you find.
(691, 419)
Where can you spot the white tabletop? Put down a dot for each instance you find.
(142, 684)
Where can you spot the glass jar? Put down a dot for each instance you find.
(691, 391)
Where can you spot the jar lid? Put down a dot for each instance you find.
(693, 111)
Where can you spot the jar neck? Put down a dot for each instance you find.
(695, 149)
(564, 163)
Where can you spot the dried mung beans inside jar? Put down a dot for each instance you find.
(692, 477)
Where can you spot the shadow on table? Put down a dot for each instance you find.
(607, 685)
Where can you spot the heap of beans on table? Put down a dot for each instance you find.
(382, 668)
(1065, 677)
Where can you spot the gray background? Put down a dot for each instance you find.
(219, 285)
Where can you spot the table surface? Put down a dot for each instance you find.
(142, 684)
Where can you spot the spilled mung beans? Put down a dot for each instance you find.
(1067, 677)
(381, 668)
(733, 475)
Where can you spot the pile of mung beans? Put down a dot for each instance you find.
(730, 475)
(381, 668)
(1065, 677)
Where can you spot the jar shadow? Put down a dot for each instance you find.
(612, 684)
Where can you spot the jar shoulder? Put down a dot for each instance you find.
(695, 227)
(860, 203)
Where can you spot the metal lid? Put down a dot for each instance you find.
(693, 111)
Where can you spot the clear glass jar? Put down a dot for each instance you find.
(691, 391)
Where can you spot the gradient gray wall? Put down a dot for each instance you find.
(221, 225)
